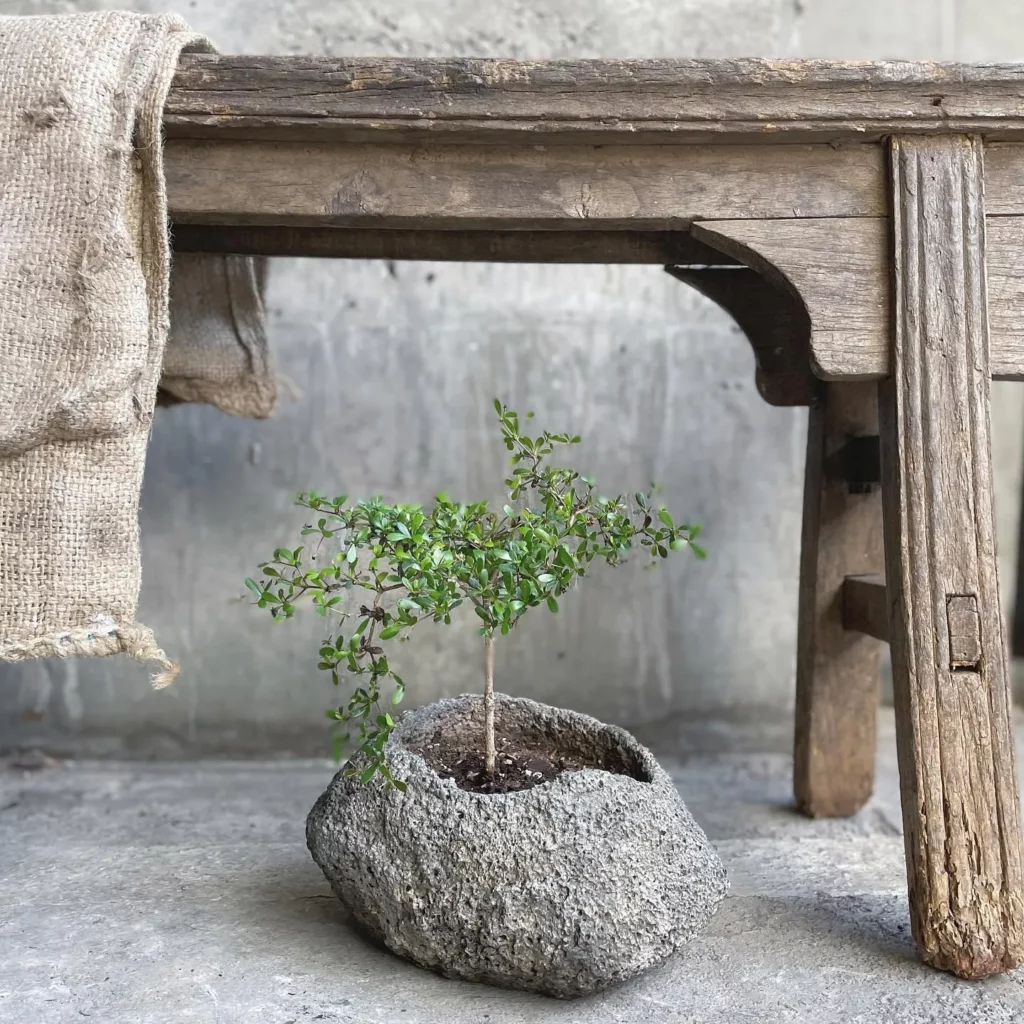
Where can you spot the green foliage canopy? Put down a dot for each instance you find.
(414, 564)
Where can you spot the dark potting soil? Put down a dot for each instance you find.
(516, 766)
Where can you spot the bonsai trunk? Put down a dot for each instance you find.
(489, 704)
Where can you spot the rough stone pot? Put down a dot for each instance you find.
(566, 888)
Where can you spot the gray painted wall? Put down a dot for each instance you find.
(397, 365)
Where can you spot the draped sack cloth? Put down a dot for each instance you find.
(84, 289)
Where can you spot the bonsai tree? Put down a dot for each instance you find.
(413, 564)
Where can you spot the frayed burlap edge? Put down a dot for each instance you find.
(131, 638)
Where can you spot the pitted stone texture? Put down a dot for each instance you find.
(565, 888)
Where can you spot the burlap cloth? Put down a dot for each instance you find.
(84, 316)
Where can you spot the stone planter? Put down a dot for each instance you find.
(565, 888)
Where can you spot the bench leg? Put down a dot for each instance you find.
(954, 730)
(837, 670)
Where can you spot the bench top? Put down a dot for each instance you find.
(784, 173)
(581, 101)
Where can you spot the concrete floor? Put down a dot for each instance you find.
(153, 893)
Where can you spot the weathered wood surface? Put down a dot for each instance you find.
(841, 269)
(954, 733)
(594, 246)
(612, 100)
(502, 187)
(774, 322)
(1005, 246)
(837, 267)
(866, 606)
(837, 676)
(814, 213)
(1004, 182)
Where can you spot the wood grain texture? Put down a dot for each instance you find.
(837, 677)
(841, 269)
(594, 246)
(963, 622)
(1005, 260)
(838, 268)
(466, 187)
(774, 322)
(613, 100)
(1004, 179)
(866, 606)
(961, 814)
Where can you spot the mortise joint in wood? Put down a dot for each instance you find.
(964, 624)
(858, 463)
(865, 607)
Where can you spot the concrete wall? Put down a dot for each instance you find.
(397, 366)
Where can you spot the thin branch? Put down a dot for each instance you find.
(489, 751)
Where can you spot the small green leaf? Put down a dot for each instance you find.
(368, 774)
(665, 517)
(552, 606)
(390, 631)
(254, 587)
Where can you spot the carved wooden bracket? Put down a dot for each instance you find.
(775, 323)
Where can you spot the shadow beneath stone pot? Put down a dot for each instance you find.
(294, 910)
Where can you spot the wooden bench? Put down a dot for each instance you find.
(862, 223)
